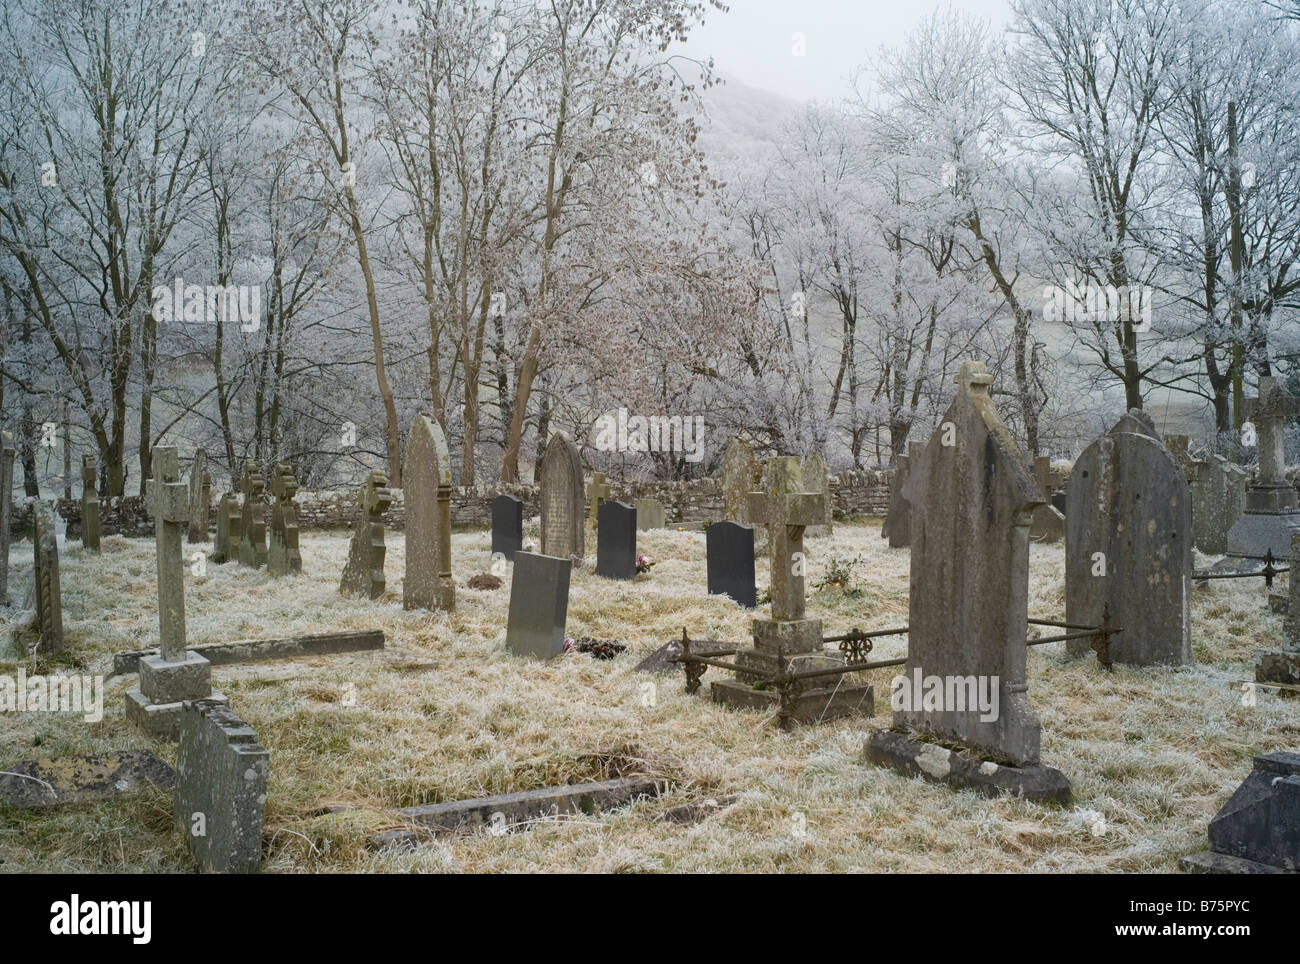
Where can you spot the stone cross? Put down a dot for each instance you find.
(284, 557)
(89, 505)
(1269, 412)
(786, 511)
(6, 491)
(169, 504)
(597, 492)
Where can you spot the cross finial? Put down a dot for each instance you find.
(974, 379)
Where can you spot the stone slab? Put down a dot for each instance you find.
(811, 706)
(906, 754)
(1208, 862)
(616, 540)
(170, 681)
(1278, 667)
(507, 525)
(257, 650)
(1261, 820)
(64, 780)
(159, 721)
(539, 605)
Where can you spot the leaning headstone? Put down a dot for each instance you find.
(789, 640)
(597, 492)
(739, 477)
(1258, 830)
(817, 479)
(897, 527)
(229, 526)
(561, 495)
(1218, 501)
(221, 779)
(363, 574)
(539, 605)
(1048, 522)
(89, 505)
(283, 557)
(649, 514)
(1128, 549)
(174, 675)
(729, 548)
(47, 588)
(200, 497)
(616, 541)
(1283, 666)
(252, 518)
(507, 526)
(965, 683)
(1271, 514)
(426, 493)
(6, 497)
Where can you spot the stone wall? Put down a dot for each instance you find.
(853, 494)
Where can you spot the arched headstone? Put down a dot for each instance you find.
(562, 500)
(426, 494)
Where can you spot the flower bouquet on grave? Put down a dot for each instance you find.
(643, 563)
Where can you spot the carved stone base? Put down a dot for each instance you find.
(906, 754)
(811, 705)
(161, 721)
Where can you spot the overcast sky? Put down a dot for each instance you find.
(753, 42)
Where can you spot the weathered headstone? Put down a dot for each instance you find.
(649, 514)
(897, 527)
(200, 497)
(616, 541)
(47, 588)
(6, 498)
(1048, 522)
(363, 574)
(1283, 666)
(597, 492)
(283, 557)
(539, 605)
(560, 491)
(817, 479)
(965, 680)
(89, 505)
(1179, 447)
(729, 548)
(1271, 514)
(174, 675)
(229, 525)
(252, 518)
(739, 477)
(221, 781)
(426, 491)
(1258, 830)
(1218, 500)
(789, 640)
(1128, 551)
(1137, 421)
(507, 525)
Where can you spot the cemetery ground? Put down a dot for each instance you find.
(445, 713)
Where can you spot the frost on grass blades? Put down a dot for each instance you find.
(620, 432)
(232, 304)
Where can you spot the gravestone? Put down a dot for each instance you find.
(729, 548)
(971, 503)
(817, 479)
(507, 525)
(789, 640)
(252, 518)
(1137, 421)
(229, 524)
(1271, 514)
(283, 557)
(649, 514)
(7, 454)
(616, 541)
(1048, 522)
(1179, 447)
(89, 505)
(1058, 502)
(363, 574)
(221, 782)
(897, 527)
(539, 605)
(1258, 830)
(597, 492)
(739, 477)
(426, 490)
(47, 588)
(200, 497)
(1283, 666)
(1128, 550)
(563, 534)
(174, 675)
(1218, 501)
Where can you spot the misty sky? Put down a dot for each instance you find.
(752, 42)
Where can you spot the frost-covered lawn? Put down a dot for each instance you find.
(446, 713)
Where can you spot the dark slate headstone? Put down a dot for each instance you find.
(1058, 502)
(539, 605)
(1258, 829)
(616, 540)
(507, 525)
(730, 550)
